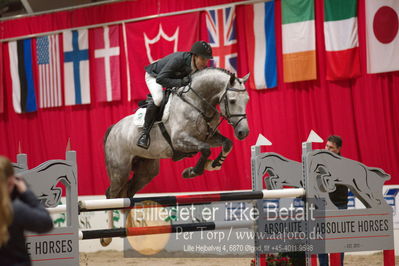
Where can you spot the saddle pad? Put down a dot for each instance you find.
(138, 118)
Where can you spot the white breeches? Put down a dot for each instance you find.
(155, 89)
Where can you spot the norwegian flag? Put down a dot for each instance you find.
(221, 27)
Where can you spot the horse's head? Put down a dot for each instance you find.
(233, 105)
(217, 86)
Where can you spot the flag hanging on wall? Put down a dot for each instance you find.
(153, 39)
(221, 26)
(341, 39)
(260, 44)
(299, 43)
(49, 71)
(382, 35)
(106, 64)
(76, 67)
(22, 77)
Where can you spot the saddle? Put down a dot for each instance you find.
(161, 118)
(162, 115)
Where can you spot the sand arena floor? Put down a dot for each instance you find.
(103, 258)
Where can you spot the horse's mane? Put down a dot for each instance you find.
(231, 74)
(214, 68)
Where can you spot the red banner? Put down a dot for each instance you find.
(1, 80)
(151, 40)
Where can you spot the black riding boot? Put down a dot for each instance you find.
(150, 116)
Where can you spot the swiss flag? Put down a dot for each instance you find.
(382, 35)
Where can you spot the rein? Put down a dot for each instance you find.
(228, 115)
(180, 94)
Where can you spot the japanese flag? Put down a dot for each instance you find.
(382, 35)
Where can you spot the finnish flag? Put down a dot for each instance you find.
(76, 67)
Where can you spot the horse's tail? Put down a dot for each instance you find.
(107, 133)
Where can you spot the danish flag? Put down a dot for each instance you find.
(221, 26)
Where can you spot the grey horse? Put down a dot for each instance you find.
(191, 126)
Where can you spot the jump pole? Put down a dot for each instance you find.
(128, 203)
(163, 229)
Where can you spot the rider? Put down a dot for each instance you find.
(171, 71)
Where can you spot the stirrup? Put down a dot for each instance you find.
(144, 141)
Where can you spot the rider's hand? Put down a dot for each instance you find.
(185, 81)
(20, 185)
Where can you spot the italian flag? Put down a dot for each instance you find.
(341, 39)
(299, 52)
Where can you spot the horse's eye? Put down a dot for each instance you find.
(232, 101)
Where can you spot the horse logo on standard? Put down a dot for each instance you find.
(62, 243)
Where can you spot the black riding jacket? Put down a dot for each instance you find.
(170, 70)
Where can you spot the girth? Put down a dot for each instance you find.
(177, 155)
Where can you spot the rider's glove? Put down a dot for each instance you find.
(185, 81)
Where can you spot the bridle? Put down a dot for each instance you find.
(229, 115)
(224, 98)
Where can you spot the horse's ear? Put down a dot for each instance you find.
(232, 79)
(245, 78)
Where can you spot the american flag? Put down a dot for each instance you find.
(48, 60)
(221, 25)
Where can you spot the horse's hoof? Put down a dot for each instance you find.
(189, 173)
(105, 241)
(209, 166)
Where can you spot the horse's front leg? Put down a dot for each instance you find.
(188, 144)
(218, 140)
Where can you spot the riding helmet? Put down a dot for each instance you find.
(203, 49)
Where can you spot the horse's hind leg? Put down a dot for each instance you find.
(119, 175)
(144, 171)
(119, 180)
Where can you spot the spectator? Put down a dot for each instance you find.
(20, 210)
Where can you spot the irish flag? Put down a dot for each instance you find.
(299, 45)
(341, 39)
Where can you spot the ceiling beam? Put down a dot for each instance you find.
(27, 6)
